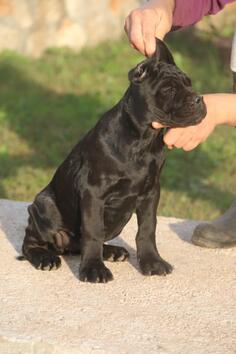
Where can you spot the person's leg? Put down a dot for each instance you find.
(220, 233)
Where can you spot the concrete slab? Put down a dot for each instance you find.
(192, 310)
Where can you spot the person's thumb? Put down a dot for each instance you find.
(161, 30)
(163, 26)
(157, 125)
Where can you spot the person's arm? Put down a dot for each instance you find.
(221, 109)
(188, 12)
(157, 17)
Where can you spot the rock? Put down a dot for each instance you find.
(5, 7)
(72, 23)
(39, 40)
(20, 13)
(11, 38)
(70, 34)
(77, 10)
(115, 5)
(190, 311)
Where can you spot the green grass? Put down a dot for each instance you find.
(47, 104)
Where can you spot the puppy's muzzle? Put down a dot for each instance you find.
(197, 100)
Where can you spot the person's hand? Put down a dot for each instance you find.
(144, 24)
(189, 138)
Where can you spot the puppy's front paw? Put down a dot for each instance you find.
(44, 260)
(155, 266)
(95, 273)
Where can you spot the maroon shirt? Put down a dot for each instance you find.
(188, 12)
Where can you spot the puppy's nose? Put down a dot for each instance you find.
(197, 99)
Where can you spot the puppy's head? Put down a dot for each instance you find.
(162, 92)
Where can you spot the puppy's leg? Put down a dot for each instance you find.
(114, 253)
(37, 252)
(44, 238)
(92, 268)
(149, 259)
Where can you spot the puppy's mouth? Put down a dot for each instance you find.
(195, 117)
(193, 114)
(184, 119)
(186, 122)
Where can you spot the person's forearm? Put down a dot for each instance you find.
(222, 108)
(188, 12)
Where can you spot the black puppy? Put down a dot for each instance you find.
(111, 173)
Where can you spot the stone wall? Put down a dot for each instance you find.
(31, 26)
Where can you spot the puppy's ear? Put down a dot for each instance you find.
(163, 53)
(139, 73)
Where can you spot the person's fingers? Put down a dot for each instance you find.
(172, 136)
(191, 145)
(148, 32)
(162, 29)
(157, 125)
(183, 140)
(135, 32)
(146, 23)
(127, 30)
(149, 40)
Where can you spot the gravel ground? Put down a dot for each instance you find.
(193, 310)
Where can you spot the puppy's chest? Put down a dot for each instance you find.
(121, 197)
(134, 181)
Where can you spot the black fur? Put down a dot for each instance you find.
(112, 173)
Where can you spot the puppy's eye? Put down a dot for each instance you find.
(140, 70)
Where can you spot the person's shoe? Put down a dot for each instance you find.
(221, 233)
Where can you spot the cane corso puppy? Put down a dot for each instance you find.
(112, 173)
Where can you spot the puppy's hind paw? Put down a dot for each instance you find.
(44, 260)
(114, 253)
(95, 273)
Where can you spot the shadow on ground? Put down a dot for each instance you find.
(73, 261)
(20, 219)
(184, 229)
